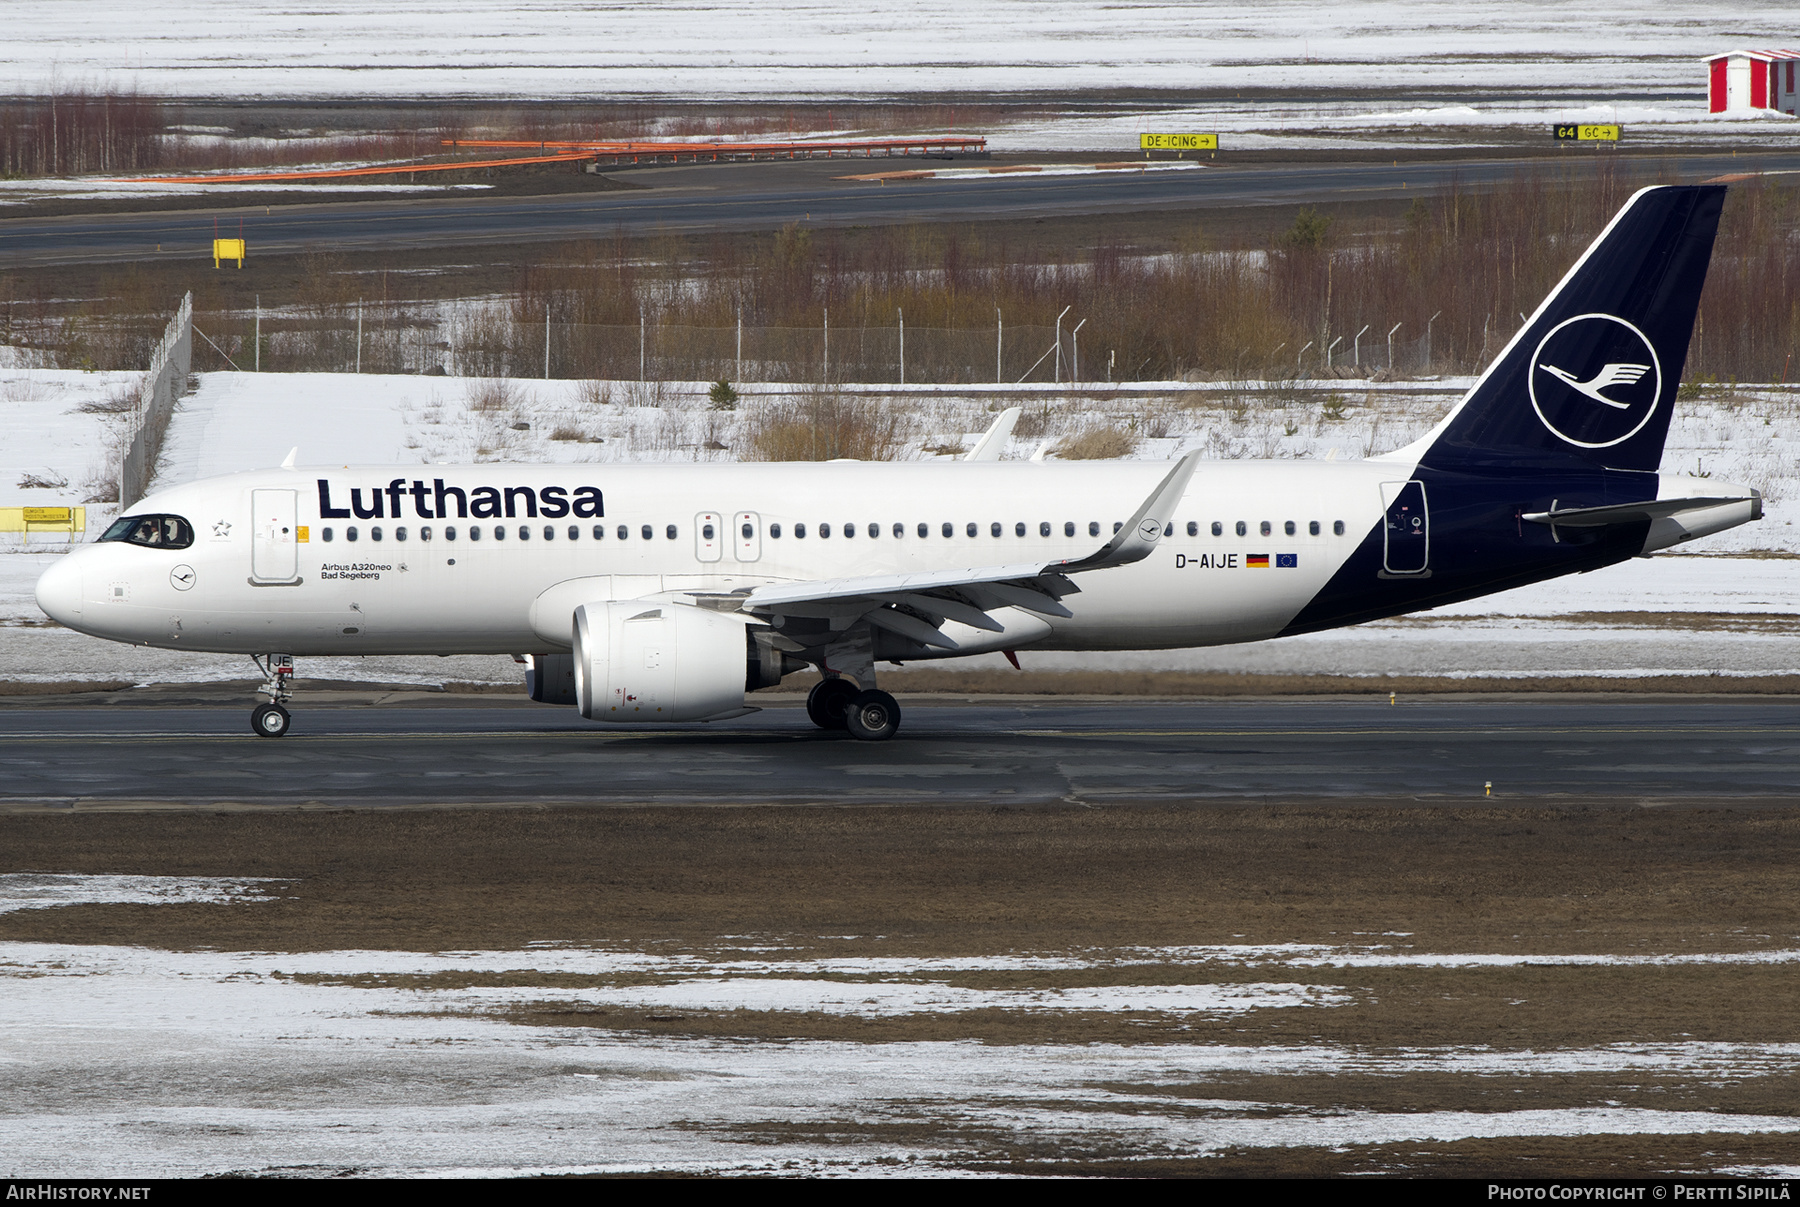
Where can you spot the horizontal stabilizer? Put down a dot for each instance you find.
(1630, 513)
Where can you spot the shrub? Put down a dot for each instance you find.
(1096, 444)
(724, 398)
(825, 425)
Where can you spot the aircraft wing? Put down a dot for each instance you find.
(915, 605)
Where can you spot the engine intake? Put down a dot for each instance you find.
(639, 660)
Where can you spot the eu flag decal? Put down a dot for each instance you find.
(1287, 561)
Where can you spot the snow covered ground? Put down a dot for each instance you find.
(124, 1061)
(827, 48)
(177, 1063)
(1402, 72)
(1727, 605)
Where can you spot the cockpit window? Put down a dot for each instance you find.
(153, 531)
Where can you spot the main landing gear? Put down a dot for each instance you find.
(871, 716)
(271, 720)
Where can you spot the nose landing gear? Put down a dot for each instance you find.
(271, 720)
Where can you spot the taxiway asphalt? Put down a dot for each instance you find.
(768, 196)
(977, 754)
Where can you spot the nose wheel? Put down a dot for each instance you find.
(271, 720)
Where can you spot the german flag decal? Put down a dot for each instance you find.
(1256, 561)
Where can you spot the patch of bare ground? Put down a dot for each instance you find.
(766, 887)
(914, 881)
(1599, 1156)
(1225, 683)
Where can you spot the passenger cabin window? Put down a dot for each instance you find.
(374, 532)
(1069, 528)
(152, 531)
(574, 533)
(994, 528)
(949, 529)
(849, 531)
(425, 532)
(350, 533)
(1118, 524)
(648, 532)
(325, 535)
(474, 533)
(824, 531)
(775, 530)
(924, 529)
(1243, 529)
(1288, 528)
(972, 529)
(671, 533)
(1312, 529)
(400, 533)
(450, 532)
(900, 530)
(1266, 528)
(1218, 529)
(499, 532)
(1337, 528)
(1093, 527)
(599, 532)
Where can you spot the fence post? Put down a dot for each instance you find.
(359, 335)
(641, 344)
(999, 346)
(902, 315)
(1059, 319)
(546, 341)
(740, 346)
(259, 333)
(825, 371)
(1391, 331)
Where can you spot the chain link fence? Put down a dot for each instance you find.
(165, 380)
(488, 345)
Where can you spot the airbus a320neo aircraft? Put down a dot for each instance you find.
(659, 593)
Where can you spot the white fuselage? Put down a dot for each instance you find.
(403, 585)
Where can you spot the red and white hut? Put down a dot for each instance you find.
(1743, 81)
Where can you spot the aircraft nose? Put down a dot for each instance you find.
(59, 591)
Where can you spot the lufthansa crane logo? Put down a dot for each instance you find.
(1595, 380)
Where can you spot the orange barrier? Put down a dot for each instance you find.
(333, 173)
(638, 152)
(619, 152)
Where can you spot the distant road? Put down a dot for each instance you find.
(1529, 748)
(742, 197)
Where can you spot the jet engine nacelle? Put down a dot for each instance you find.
(639, 660)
